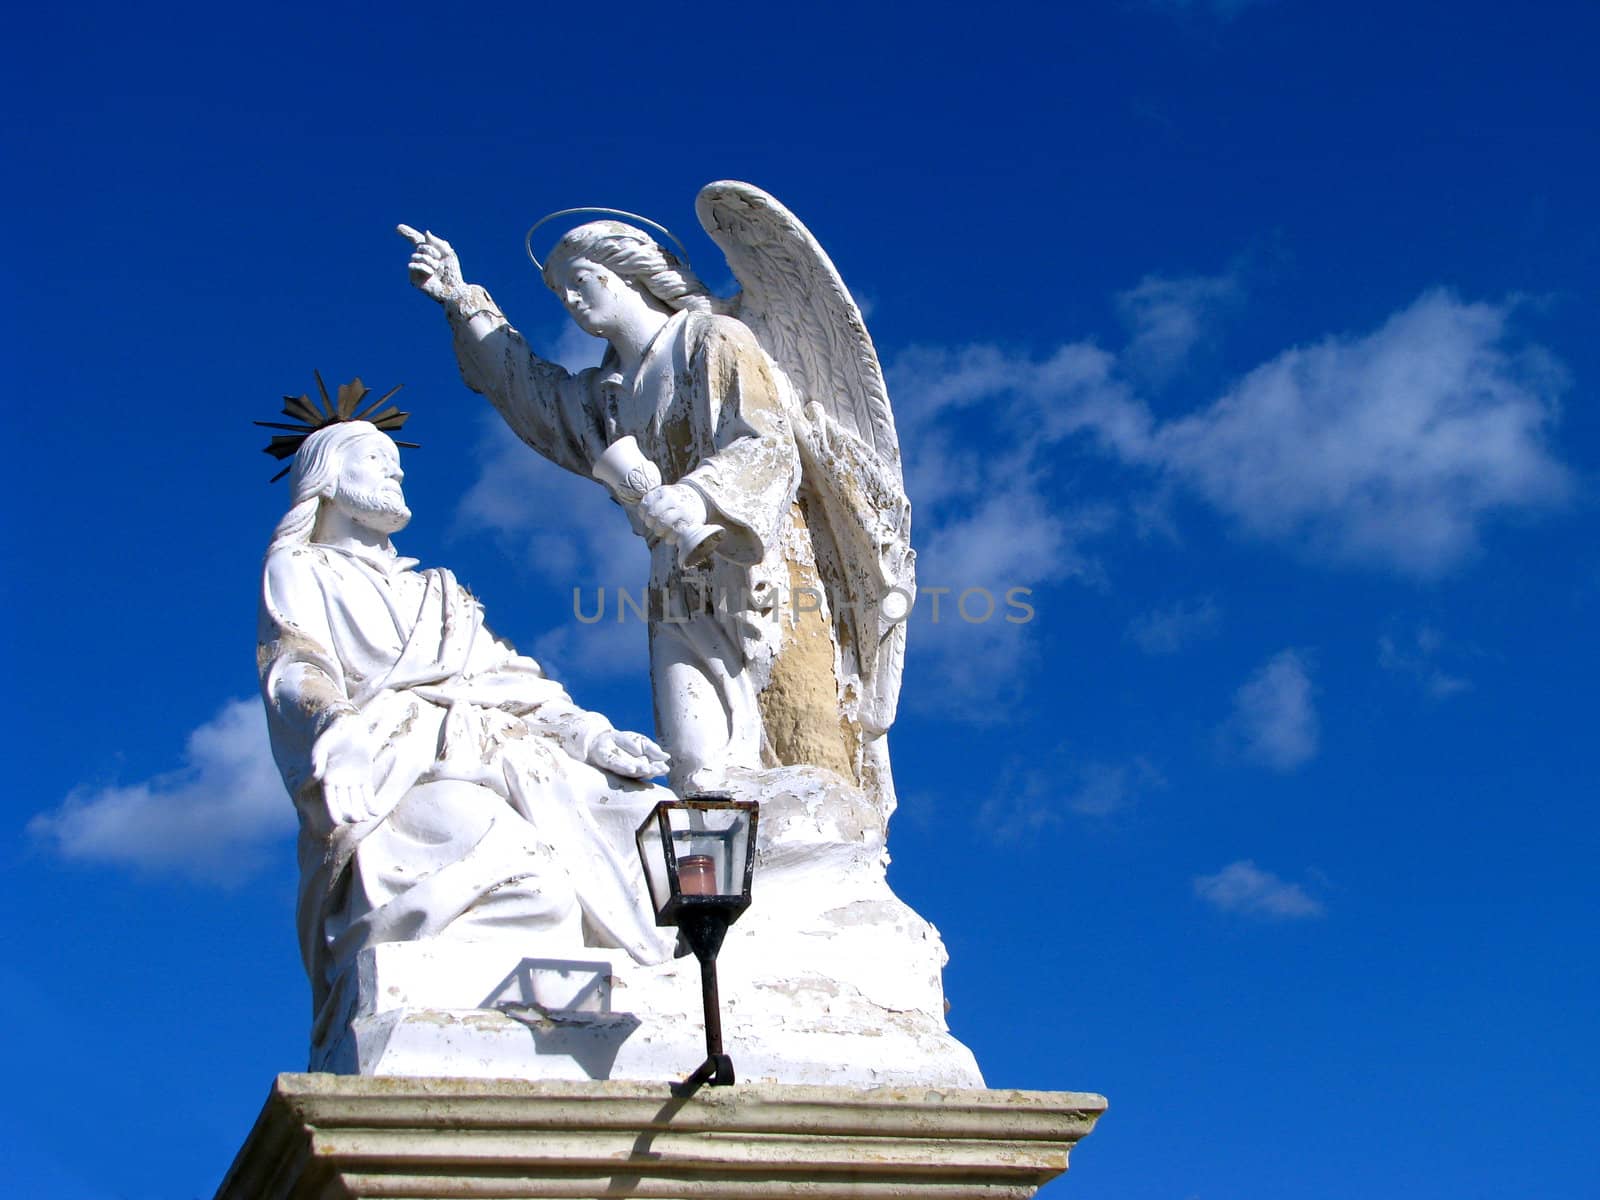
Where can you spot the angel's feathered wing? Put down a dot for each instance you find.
(805, 318)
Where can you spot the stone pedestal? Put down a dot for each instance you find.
(327, 1136)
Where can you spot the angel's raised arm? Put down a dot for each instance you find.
(435, 270)
(551, 409)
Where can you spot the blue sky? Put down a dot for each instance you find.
(1256, 339)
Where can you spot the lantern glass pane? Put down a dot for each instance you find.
(711, 847)
(654, 861)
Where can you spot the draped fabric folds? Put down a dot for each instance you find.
(487, 811)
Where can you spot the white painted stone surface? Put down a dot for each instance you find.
(471, 897)
(827, 979)
(471, 900)
(765, 415)
(447, 788)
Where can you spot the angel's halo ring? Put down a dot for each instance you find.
(527, 241)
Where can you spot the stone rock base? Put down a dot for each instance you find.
(603, 1016)
(387, 1138)
(828, 979)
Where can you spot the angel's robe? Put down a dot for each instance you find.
(491, 823)
(705, 406)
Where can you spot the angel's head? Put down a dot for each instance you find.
(629, 255)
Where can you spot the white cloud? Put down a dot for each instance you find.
(1417, 657)
(1274, 721)
(1167, 318)
(212, 819)
(1168, 630)
(940, 468)
(1245, 889)
(1389, 449)
(1392, 449)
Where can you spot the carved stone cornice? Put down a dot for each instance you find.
(381, 1138)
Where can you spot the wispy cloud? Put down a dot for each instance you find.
(607, 648)
(1417, 657)
(988, 523)
(573, 348)
(1100, 789)
(979, 573)
(1044, 799)
(1274, 721)
(1168, 630)
(1244, 889)
(565, 530)
(213, 819)
(1073, 388)
(1014, 535)
(1167, 318)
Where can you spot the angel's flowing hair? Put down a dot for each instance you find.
(315, 477)
(637, 258)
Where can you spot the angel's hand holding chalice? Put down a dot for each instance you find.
(674, 511)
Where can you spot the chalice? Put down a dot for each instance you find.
(630, 475)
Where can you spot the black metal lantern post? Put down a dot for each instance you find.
(698, 855)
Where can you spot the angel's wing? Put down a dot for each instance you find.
(805, 318)
(800, 310)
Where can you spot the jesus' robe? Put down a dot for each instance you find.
(490, 822)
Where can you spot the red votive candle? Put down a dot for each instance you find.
(697, 875)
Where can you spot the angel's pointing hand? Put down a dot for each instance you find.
(434, 267)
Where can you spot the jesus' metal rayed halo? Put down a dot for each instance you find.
(310, 416)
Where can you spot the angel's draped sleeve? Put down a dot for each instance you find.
(547, 406)
(747, 469)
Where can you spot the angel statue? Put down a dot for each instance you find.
(753, 442)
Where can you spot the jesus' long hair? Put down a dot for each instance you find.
(315, 477)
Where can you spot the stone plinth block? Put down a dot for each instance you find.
(328, 1136)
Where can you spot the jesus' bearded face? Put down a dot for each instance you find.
(369, 486)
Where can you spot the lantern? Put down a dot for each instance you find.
(699, 855)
